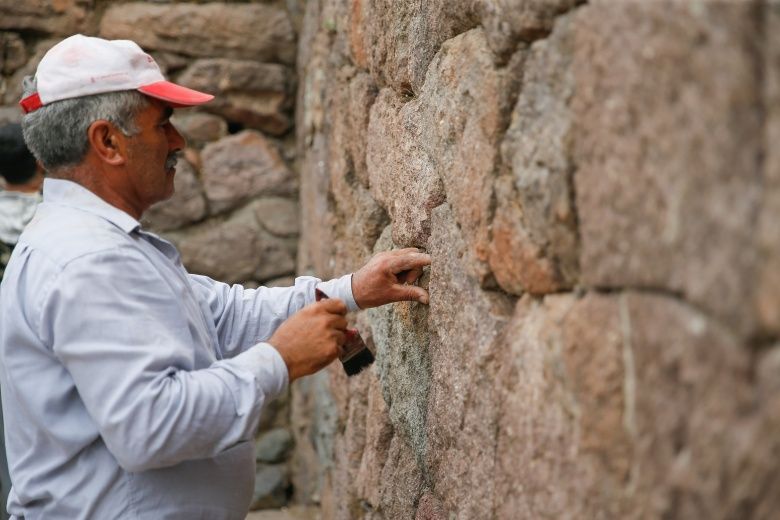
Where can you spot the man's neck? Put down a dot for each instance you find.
(23, 188)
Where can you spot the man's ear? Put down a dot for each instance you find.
(107, 142)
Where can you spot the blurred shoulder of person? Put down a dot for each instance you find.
(21, 189)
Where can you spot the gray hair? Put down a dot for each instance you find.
(56, 133)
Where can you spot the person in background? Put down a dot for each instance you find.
(22, 191)
(23, 179)
(136, 387)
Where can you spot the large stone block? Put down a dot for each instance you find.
(397, 39)
(199, 128)
(401, 481)
(379, 433)
(13, 52)
(247, 31)
(509, 22)
(241, 166)
(668, 150)
(358, 219)
(256, 95)
(402, 175)
(606, 413)
(236, 249)
(187, 205)
(279, 216)
(400, 333)
(534, 236)
(465, 326)
(443, 141)
(63, 17)
(462, 111)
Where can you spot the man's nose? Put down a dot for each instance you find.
(176, 141)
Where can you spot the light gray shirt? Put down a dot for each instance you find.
(132, 389)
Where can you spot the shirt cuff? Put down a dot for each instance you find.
(268, 368)
(340, 288)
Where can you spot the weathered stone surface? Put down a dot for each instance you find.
(400, 333)
(247, 31)
(13, 84)
(644, 401)
(534, 242)
(402, 175)
(430, 508)
(445, 140)
(606, 414)
(668, 174)
(273, 446)
(63, 17)
(199, 128)
(315, 422)
(253, 94)
(278, 216)
(235, 249)
(767, 292)
(465, 324)
(10, 115)
(362, 94)
(401, 482)
(169, 62)
(359, 220)
(397, 39)
(241, 166)
(340, 490)
(379, 433)
(508, 22)
(187, 205)
(13, 53)
(463, 108)
(317, 222)
(271, 487)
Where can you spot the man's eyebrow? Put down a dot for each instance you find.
(166, 114)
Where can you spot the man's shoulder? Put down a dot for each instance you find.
(63, 234)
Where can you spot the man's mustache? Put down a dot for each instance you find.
(172, 159)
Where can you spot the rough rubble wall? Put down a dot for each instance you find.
(235, 213)
(599, 186)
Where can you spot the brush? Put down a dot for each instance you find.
(355, 354)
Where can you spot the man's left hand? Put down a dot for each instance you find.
(389, 277)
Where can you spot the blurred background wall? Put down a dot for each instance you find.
(599, 185)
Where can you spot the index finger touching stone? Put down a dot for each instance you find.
(409, 261)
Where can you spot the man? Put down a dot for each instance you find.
(135, 387)
(23, 178)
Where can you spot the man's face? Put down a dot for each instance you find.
(151, 155)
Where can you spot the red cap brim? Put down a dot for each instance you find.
(175, 95)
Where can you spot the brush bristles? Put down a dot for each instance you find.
(357, 362)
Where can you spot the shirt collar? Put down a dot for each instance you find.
(71, 194)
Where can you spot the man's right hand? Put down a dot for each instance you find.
(312, 337)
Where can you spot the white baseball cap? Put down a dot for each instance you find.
(83, 65)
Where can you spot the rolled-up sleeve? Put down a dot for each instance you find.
(117, 328)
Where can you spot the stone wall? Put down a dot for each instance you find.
(599, 186)
(235, 213)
